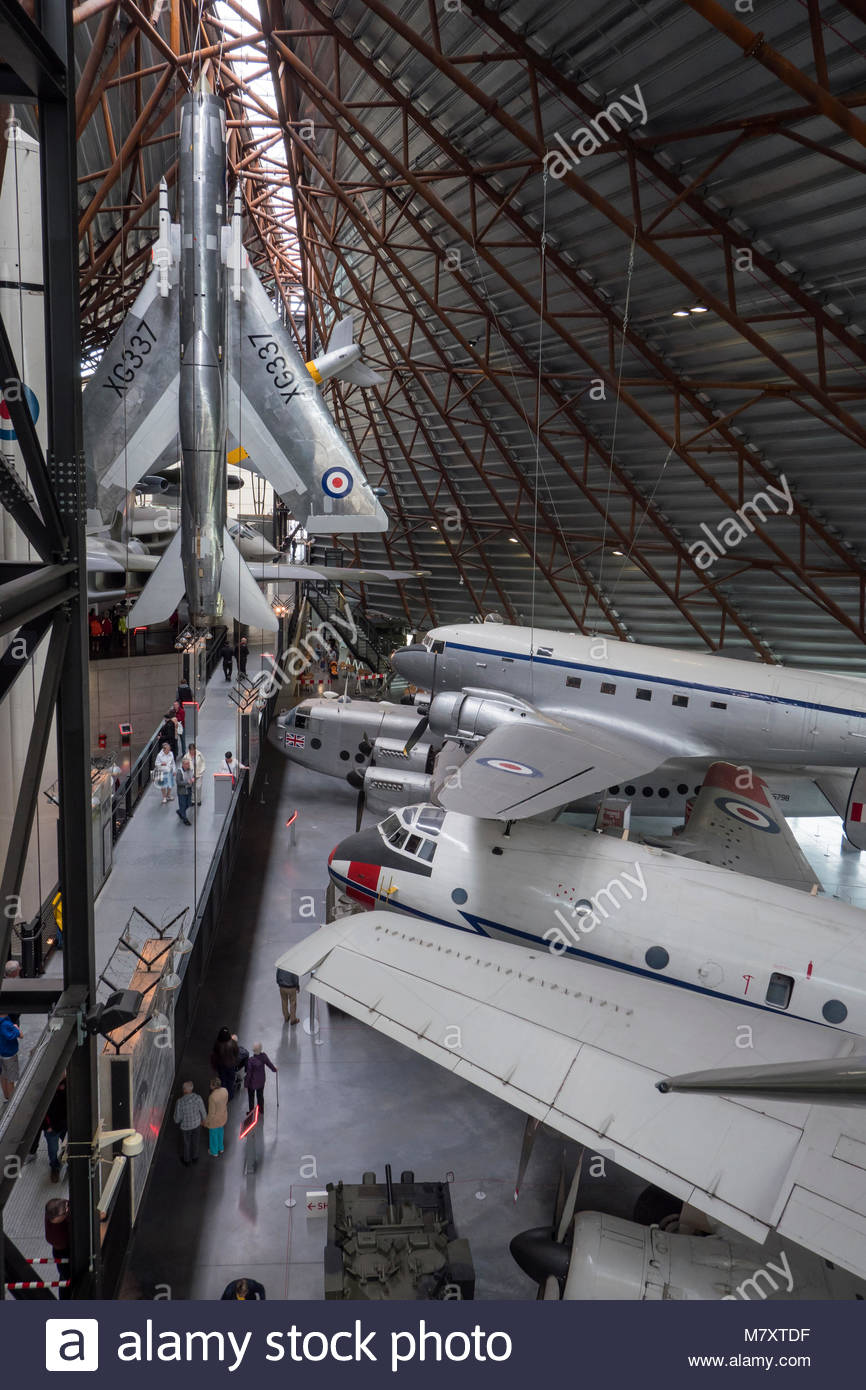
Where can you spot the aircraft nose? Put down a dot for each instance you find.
(415, 664)
(364, 847)
(354, 865)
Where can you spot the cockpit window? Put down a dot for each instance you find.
(427, 850)
(389, 825)
(431, 818)
(437, 647)
(398, 839)
(413, 844)
(301, 720)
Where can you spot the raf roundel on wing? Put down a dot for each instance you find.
(336, 482)
(748, 815)
(503, 765)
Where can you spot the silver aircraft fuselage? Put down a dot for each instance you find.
(203, 322)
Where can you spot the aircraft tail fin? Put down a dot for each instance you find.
(855, 811)
(343, 334)
(276, 414)
(241, 594)
(163, 591)
(359, 374)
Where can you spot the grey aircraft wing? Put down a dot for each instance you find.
(276, 415)
(130, 402)
(532, 764)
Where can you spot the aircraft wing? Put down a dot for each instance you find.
(278, 417)
(262, 571)
(580, 1047)
(534, 764)
(130, 402)
(735, 825)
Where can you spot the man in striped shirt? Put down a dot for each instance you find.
(189, 1113)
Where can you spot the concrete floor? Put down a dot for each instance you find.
(350, 1099)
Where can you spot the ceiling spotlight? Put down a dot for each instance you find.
(681, 313)
(513, 540)
(617, 552)
(699, 309)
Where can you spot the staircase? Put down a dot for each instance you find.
(364, 646)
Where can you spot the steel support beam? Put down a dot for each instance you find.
(28, 793)
(26, 55)
(66, 466)
(45, 589)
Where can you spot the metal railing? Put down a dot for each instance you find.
(365, 644)
(123, 802)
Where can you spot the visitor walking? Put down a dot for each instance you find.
(163, 768)
(255, 1077)
(190, 1115)
(185, 780)
(217, 1117)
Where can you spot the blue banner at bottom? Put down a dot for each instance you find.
(429, 1344)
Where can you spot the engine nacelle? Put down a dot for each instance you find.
(391, 753)
(473, 714)
(386, 787)
(155, 484)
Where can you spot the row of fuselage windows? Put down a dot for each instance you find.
(642, 693)
(682, 789)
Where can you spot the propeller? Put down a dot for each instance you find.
(529, 1134)
(424, 722)
(356, 780)
(418, 732)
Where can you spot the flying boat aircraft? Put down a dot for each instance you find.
(633, 964)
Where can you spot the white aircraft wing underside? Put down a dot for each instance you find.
(130, 402)
(276, 414)
(525, 767)
(580, 1047)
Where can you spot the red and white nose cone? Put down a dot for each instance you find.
(362, 882)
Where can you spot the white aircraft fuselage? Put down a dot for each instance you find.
(615, 902)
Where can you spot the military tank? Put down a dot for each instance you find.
(395, 1240)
